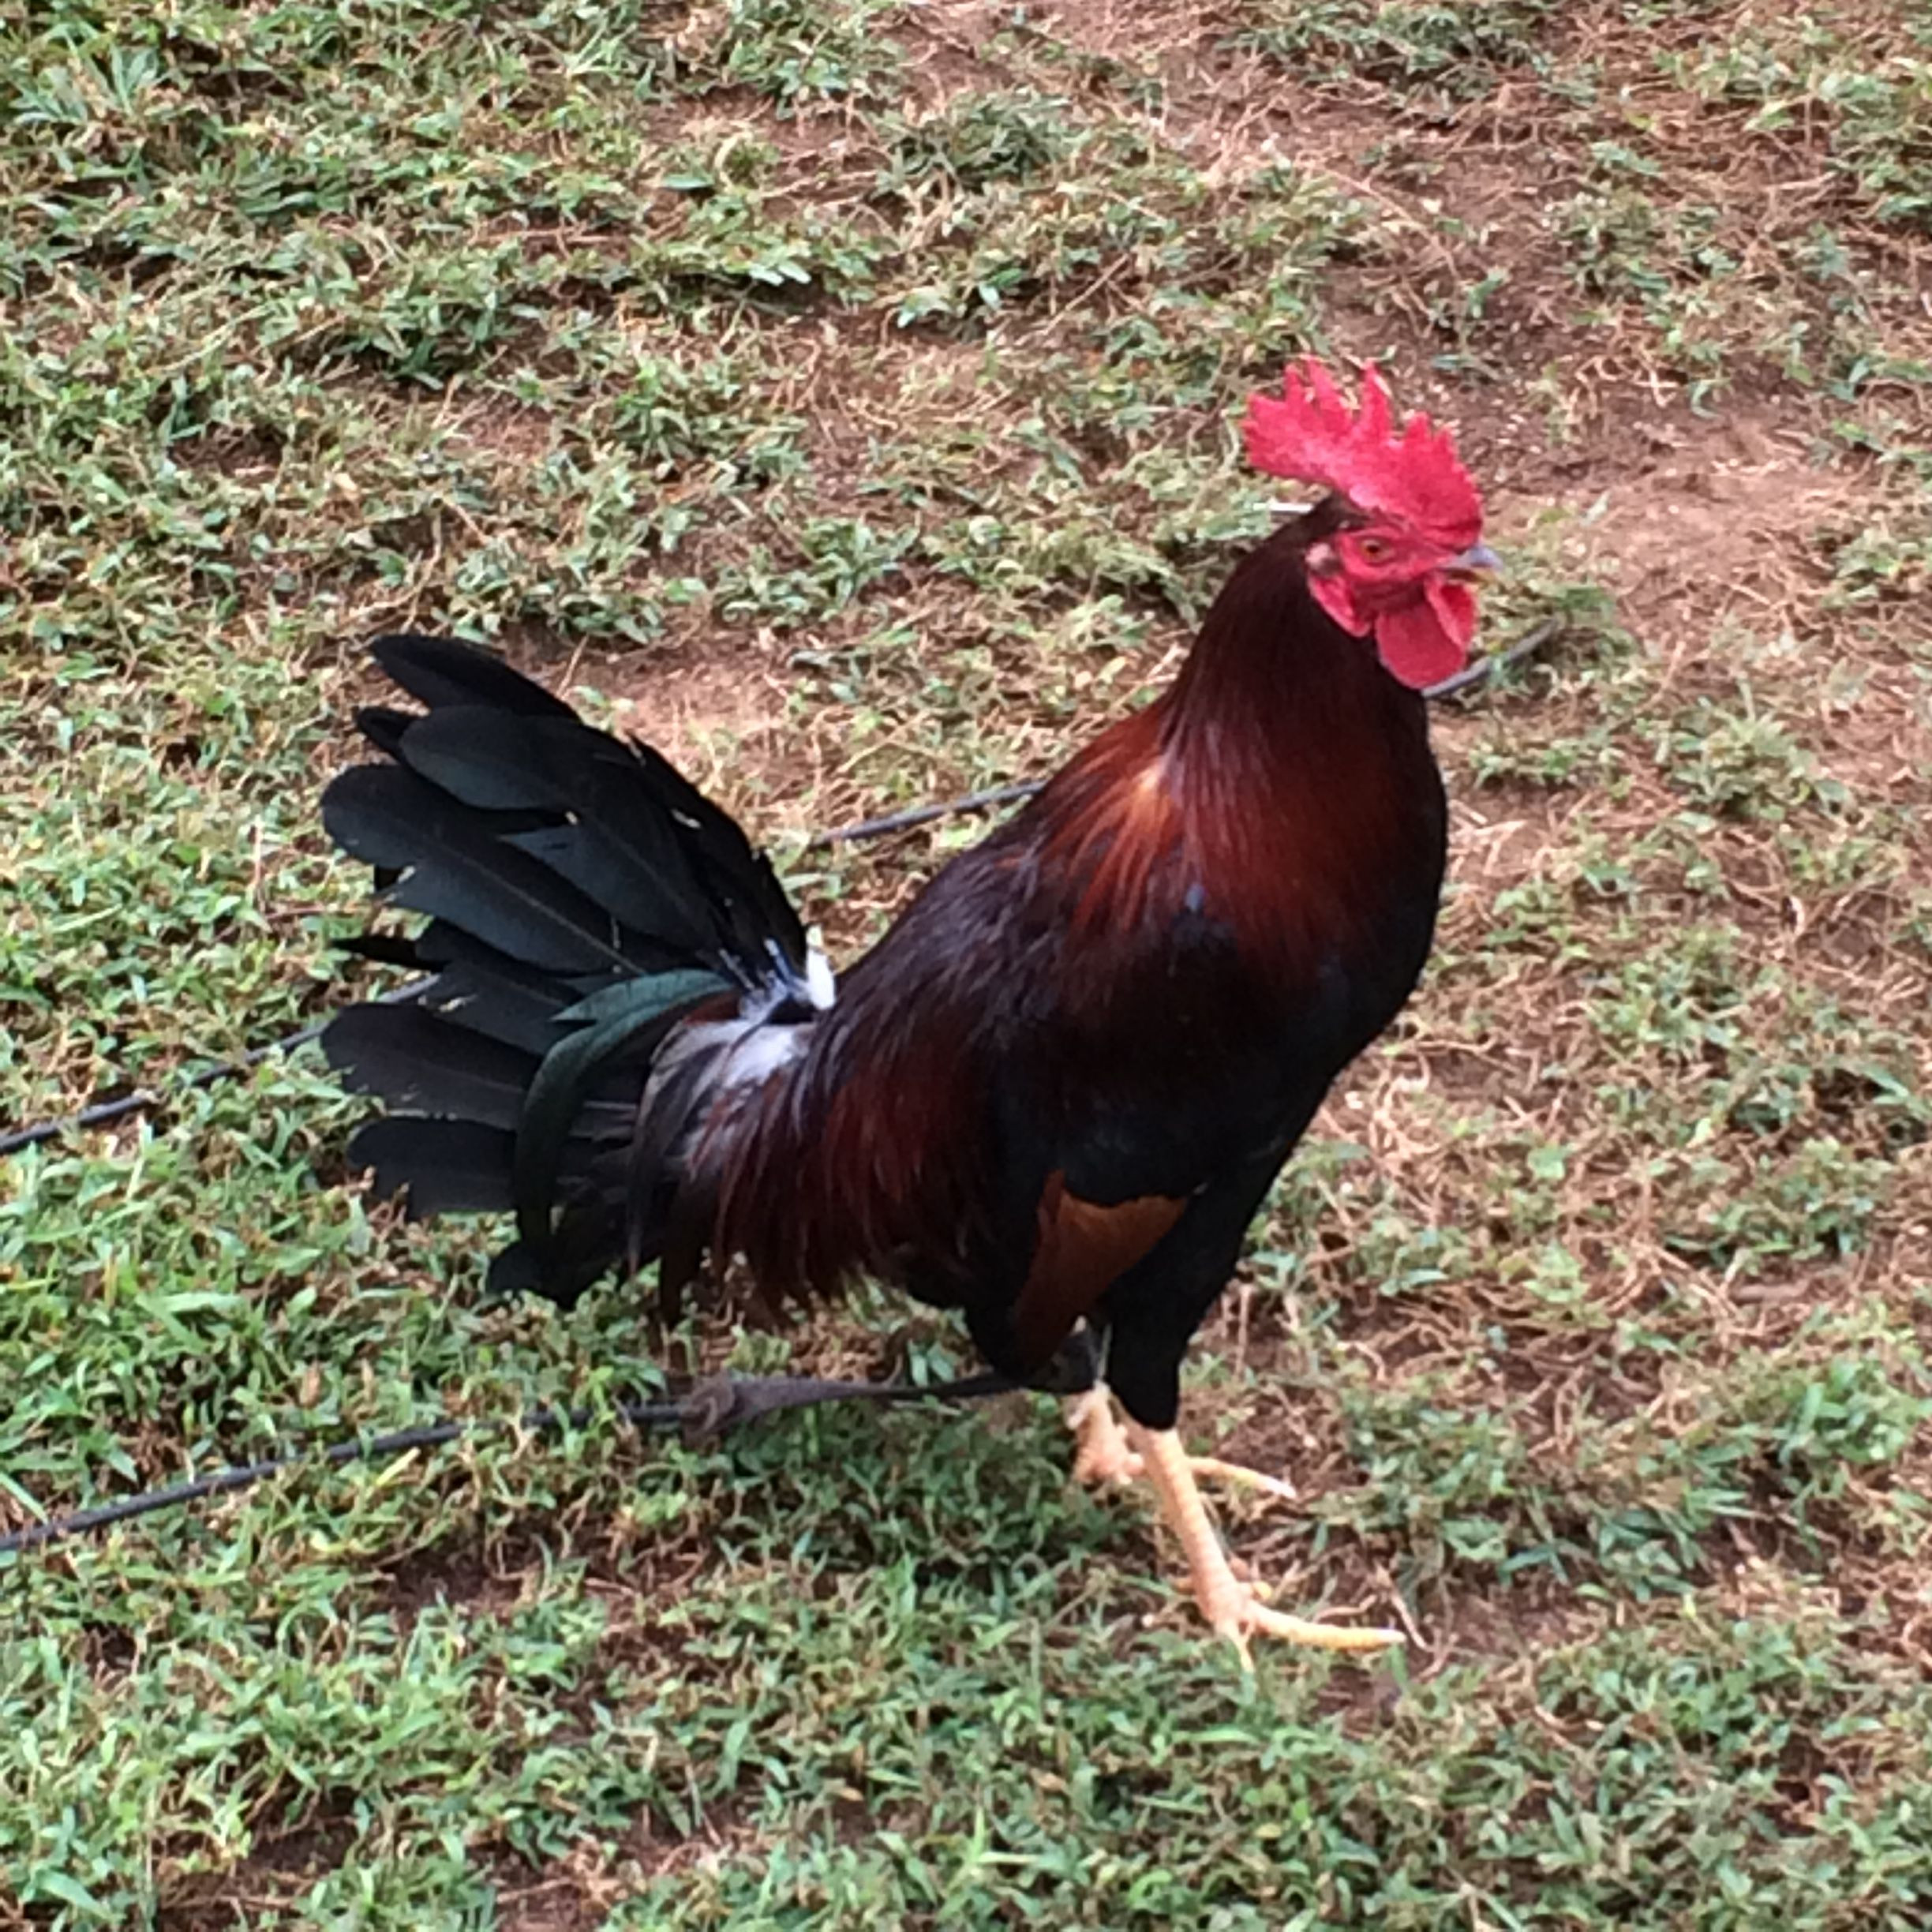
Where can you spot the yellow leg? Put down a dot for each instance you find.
(1100, 1451)
(1228, 1604)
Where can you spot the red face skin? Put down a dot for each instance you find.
(1411, 590)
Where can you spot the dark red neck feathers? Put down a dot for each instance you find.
(1271, 671)
(1301, 766)
(1283, 773)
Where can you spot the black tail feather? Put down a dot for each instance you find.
(587, 1242)
(383, 725)
(456, 864)
(758, 924)
(607, 833)
(506, 1005)
(653, 848)
(439, 1166)
(443, 670)
(416, 1060)
(584, 900)
(386, 949)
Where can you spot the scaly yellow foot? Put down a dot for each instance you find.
(1101, 1453)
(1229, 1605)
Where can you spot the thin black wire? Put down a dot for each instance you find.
(1471, 677)
(923, 815)
(696, 1409)
(104, 1113)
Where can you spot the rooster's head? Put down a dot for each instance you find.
(1402, 560)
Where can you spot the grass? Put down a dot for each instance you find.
(842, 392)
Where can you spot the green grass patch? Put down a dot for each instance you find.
(847, 396)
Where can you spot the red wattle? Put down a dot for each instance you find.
(1417, 647)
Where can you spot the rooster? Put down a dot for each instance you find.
(1055, 1093)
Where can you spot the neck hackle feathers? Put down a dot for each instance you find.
(1412, 476)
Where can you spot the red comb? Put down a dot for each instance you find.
(1414, 475)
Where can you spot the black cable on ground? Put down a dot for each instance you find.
(104, 1113)
(712, 1408)
(923, 815)
(1471, 677)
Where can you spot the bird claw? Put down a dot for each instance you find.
(1099, 1470)
(1239, 1616)
(1248, 1478)
(1233, 1607)
(1101, 1453)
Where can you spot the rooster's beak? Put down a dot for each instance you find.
(1478, 560)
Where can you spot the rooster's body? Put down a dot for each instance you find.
(1052, 1096)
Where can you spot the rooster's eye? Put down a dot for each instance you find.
(1371, 549)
